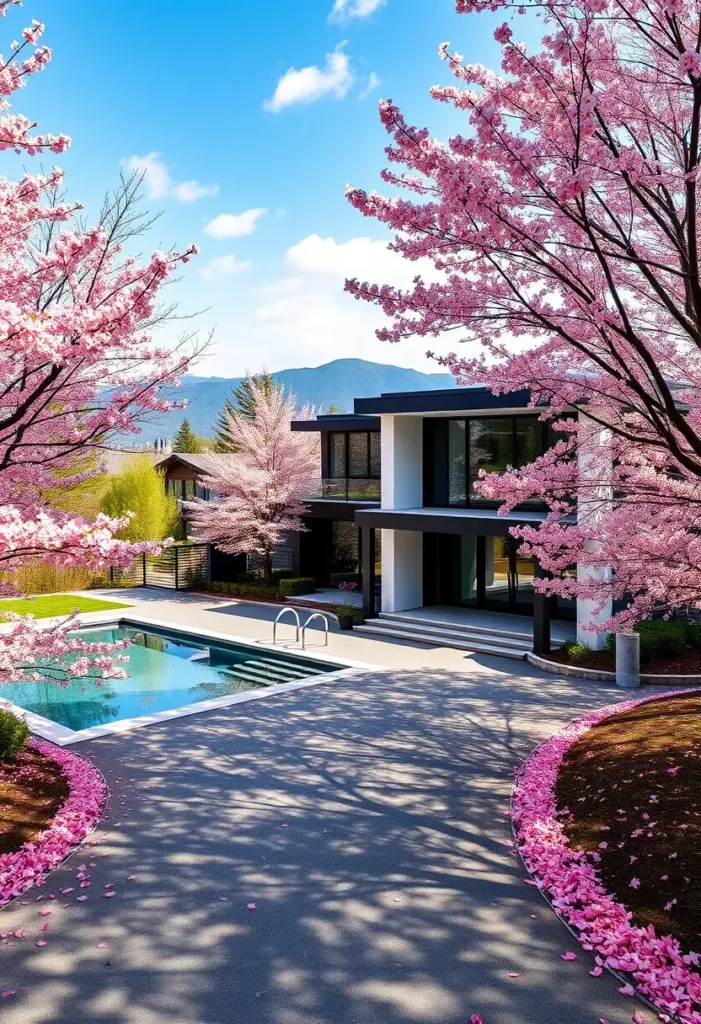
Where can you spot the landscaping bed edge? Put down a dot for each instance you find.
(602, 676)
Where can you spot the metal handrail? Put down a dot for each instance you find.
(282, 612)
(316, 615)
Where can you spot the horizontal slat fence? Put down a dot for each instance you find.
(176, 568)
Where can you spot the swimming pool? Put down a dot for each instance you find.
(168, 670)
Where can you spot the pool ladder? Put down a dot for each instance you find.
(302, 629)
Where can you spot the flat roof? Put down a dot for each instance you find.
(338, 421)
(446, 400)
(485, 521)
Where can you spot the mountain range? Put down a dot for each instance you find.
(336, 383)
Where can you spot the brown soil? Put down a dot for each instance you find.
(32, 789)
(633, 784)
(687, 664)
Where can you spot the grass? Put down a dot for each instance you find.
(56, 604)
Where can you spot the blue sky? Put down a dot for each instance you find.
(200, 93)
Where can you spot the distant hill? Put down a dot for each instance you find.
(336, 383)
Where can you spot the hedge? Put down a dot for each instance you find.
(660, 638)
(295, 587)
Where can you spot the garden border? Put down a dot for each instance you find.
(602, 676)
(538, 836)
(53, 846)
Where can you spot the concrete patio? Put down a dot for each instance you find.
(366, 819)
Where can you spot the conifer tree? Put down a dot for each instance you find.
(186, 440)
(242, 402)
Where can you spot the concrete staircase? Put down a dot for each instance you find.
(413, 628)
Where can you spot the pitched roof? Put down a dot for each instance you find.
(204, 463)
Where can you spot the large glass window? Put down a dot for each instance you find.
(491, 448)
(528, 440)
(457, 463)
(358, 453)
(375, 454)
(337, 456)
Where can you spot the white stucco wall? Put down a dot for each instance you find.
(402, 487)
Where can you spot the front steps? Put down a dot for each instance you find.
(414, 628)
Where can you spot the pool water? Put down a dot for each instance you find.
(167, 670)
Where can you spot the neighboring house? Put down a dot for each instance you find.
(442, 544)
(186, 475)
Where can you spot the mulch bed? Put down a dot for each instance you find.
(632, 785)
(687, 664)
(32, 789)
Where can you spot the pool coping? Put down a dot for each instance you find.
(62, 736)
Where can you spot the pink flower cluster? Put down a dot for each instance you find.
(658, 967)
(29, 865)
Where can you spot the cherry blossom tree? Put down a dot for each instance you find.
(259, 491)
(77, 359)
(563, 226)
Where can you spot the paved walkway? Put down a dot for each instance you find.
(367, 821)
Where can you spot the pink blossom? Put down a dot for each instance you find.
(73, 821)
(260, 494)
(656, 965)
(503, 34)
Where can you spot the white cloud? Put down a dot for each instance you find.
(189, 191)
(156, 177)
(344, 9)
(224, 266)
(305, 318)
(373, 83)
(160, 185)
(234, 225)
(309, 84)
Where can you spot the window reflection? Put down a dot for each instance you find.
(457, 463)
(491, 449)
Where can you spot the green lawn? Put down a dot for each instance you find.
(56, 604)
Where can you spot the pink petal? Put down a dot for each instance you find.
(638, 1018)
(40, 942)
(9, 992)
(568, 956)
(597, 972)
(251, 906)
(627, 990)
(513, 974)
(80, 899)
(102, 945)
(476, 1019)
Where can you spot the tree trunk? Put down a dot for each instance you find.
(268, 568)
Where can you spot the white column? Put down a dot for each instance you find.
(402, 570)
(593, 442)
(402, 487)
(402, 461)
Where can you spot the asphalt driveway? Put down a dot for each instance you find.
(366, 820)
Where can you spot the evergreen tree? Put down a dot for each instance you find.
(186, 440)
(242, 403)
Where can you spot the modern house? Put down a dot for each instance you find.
(448, 560)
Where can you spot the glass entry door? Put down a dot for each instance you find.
(478, 572)
(508, 576)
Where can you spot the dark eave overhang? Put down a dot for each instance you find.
(341, 422)
(449, 400)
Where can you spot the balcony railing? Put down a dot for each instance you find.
(346, 489)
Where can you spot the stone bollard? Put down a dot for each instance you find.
(628, 660)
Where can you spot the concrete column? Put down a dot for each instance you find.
(368, 571)
(593, 466)
(402, 461)
(402, 570)
(628, 660)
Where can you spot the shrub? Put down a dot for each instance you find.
(577, 652)
(693, 634)
(659, 638)
(349, 611)
(14, 733)
(296, 586)
(256, 575)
